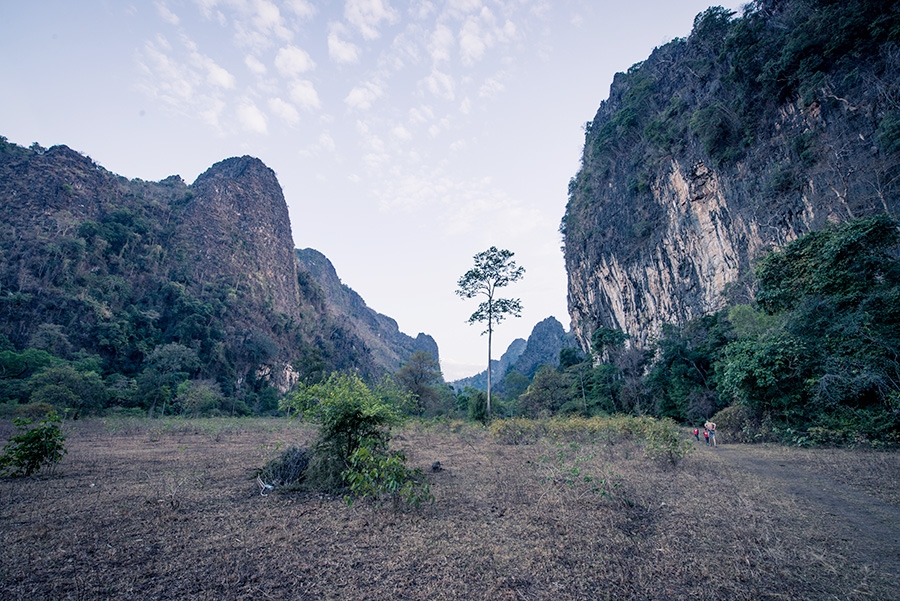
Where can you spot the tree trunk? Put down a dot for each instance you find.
(488, 407)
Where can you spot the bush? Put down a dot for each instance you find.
(31, 449)
(349, 414)
(516, 430)
(666, 442)
(377, 475)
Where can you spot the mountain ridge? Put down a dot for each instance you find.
(124, 269)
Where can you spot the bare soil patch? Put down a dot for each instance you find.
(169, 510)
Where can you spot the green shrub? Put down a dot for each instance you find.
(516, 430)
(34, 410)
(666, 442)
(30, 449)
(349, 414)
(377, 474)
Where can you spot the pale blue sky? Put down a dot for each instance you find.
(407, 136)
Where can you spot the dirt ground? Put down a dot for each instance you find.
(170, 510)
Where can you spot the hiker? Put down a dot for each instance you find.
(711, 428)
(697, 434)
(706, 435)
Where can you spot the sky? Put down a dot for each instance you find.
(407, 136)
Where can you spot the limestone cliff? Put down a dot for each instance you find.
(751, 132)
(237, 223)
(117, 269)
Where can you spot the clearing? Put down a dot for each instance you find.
(169, 510)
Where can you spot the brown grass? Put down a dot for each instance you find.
(169, 510)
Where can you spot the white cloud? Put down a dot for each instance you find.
(193, 85)
(401, 133)
(167, 15)
(438, 127)
(375, 156)
(255, 65)
(304, 93)
(362, 97)
(327, 142)
(291, 61)
(420, 115)
(465, 6)
(301, 8)
(367, 15)
(210, 112)
(466, 107)
(339, 50)
(472, 41)
(258, 24)
(266, 19)
(441, 44)
(251, 118)
(491, 88)
(215, 74)
(440, 84)
(284, 110)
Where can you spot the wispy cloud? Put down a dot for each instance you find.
(284, 110)
(255, 65)
(194, 85)
(362, 97)
(401, 133)
(340, 50)
(303, 92)
(367, 16)
(440, 84)
(301, 8)
(441, 44)
(167, 15)
(251, 118)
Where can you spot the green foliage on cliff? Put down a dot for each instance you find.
(816, 359)
(123, 293)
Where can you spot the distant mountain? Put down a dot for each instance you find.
(123, 269)
(498, 369)
(390, 347)
(543, 346)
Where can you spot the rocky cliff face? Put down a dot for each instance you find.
(118, 268)
(719, 147)
(237, 223)
(389, 346)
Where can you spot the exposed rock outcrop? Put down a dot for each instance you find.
(237, 223)
(720, 147)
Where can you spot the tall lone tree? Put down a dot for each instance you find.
(493, 269)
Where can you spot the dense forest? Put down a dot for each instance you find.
(816, 358)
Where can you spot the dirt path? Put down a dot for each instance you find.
(868, 527)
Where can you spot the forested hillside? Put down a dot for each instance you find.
(134, 293)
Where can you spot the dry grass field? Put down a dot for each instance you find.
(170, 510)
